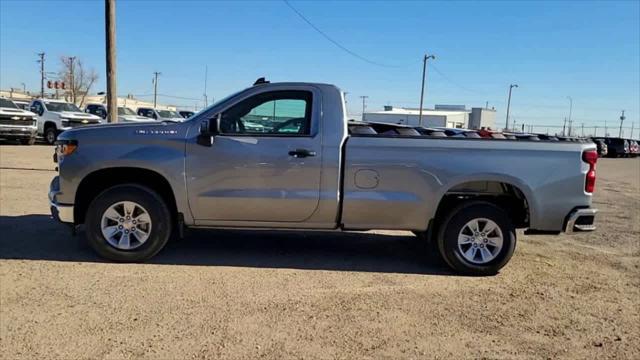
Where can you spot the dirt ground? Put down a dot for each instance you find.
(242, 294)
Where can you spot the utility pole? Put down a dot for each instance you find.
(509, 104)
(621, 120)
(564, 126)
(110, 31)
(424, 75)
(582, 125)
(346, 104)
(364, 98)
(206, 72)
(41, 61)
(486, 105)
(155, 88)
(71, 79)
(570, 110)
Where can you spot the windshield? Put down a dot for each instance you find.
(7, 104)
(61, 106)
(125, 111)
(168, 114)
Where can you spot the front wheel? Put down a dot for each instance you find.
(477, 238)
(128, 223)
(50, 135)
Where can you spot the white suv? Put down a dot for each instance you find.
(56, 116)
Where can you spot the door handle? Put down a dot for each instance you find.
(301, 153)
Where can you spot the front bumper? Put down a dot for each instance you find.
(581, 220)
(17, 132)
(60, 212)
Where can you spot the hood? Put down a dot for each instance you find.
(16, 112)
(77, 115)
(134, 118)
(126, 132)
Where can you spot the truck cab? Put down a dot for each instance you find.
(56, 116)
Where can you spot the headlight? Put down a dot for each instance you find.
(65, 148)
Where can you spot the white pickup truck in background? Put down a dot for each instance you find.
(56, 116)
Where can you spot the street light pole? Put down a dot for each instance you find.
(363, 105)
(622, 117)
(155, 88)
(570, 110)
(424, 75)
(509, 105)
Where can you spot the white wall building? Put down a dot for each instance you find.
(430, 117)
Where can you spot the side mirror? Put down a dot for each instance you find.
(208, 129)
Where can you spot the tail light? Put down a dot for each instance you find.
(590, 157)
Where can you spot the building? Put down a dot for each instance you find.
(411, 116)
(451, 116)
(482, 118)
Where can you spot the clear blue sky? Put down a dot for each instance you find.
(587, 50)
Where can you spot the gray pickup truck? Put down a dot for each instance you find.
(284, 156)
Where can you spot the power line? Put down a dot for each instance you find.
(453, 82)
(352, 53)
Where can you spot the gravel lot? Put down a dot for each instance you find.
(241, 294)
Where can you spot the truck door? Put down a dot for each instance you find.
(264, 164)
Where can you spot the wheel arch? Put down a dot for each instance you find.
(510, 195)
(97, 181)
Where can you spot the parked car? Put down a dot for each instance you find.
(547, 137)
(490, 134)
(634, 148)
(459, 133)
(430, 132)
(160, 115)
(616, 147)
(210, 171)
(186, 114)
(393, 129)
(16, 123)
(601, 146)
(124, 113)
(56, 116)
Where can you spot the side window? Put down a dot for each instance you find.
(276, 112)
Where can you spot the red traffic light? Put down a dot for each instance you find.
(56, 85)
(62, 86)
(49, 85)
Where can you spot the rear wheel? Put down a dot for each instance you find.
(477, 238)
(50, 135)
(128, 223)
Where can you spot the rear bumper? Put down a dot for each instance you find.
(581, 220)
(60, 212)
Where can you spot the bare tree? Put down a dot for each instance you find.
(78, 80)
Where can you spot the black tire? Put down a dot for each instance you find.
(50, 134)
(454, 222)
(29, 141)
(147, 198)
